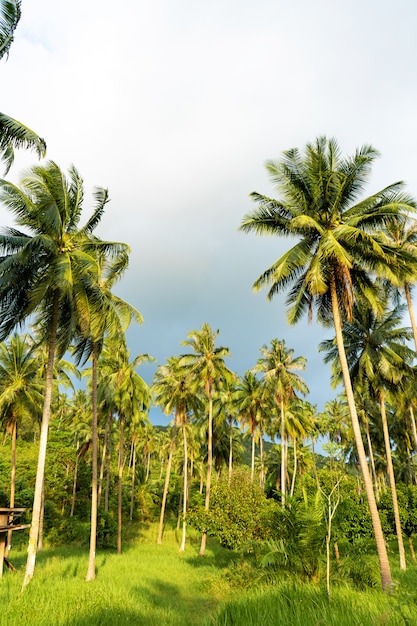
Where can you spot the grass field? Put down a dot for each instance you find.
(155, 585)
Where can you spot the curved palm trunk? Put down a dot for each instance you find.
(384, 566)
(166, 485)
(185, 489)
(209, 463)
(120, 485)
(392, 482)
(91, 571)
(12, 485)
(295, 467)
(43, 440)
(108, 468)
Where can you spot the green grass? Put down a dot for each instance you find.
(147, 584)
(156, 586)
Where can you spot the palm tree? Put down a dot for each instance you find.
(279, 367)
(20, 393)
(175, 392)
(208, 369)
(339, 243)
(377, 356)
(49, 275)
(112, 316)
(13, 134)
(131, 400)
(252, 402)
(9, 18)
(402, 233)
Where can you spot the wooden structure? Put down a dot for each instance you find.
(9, 521)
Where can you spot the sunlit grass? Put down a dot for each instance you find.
(147, 584)
(156, 586)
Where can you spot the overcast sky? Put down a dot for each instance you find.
(176, 106)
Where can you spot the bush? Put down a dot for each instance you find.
(239, 516)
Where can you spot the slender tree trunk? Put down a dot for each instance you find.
(384, 565)
(166, 485)
(209, 462)
(148, 466)
(230, 448)
(102, 464)
(43, 439)
(108, 465)
(74, 483)
(185, 487)
(91, 571)
(262, 455)
(371, 457)
(120, 487)
(295, 467)
(41, 519)
(252, 467)
(12, 484)
(413, 428)
(411, 312)
(132, 492)
(283, 463)
(391, 476)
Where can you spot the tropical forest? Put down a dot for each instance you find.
(253, 506)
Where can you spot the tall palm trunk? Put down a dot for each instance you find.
(371, 457)
(295, 467)
(74, 482)
(185, 487)
(120, 486)
(102, 464)
(43, 440)
(252, 466)
(91, 571)
(12, 484)
(132, 491)
(230, 448)
(283, 455)
(209, 461)
(262, 455)
(411, 312)
(166, 484)
(384, 566)
(108, 465)
(392, 482)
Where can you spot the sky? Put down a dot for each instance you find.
(176, 106)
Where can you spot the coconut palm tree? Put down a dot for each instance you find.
(112, 316)
(252, 401)
(279, 366)
(131, 398)
(20, 393)
(13, 134)
(208, 368)
(47, 274)
(174, 390)
(378, 359)
(10, 13)
(339, 244)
